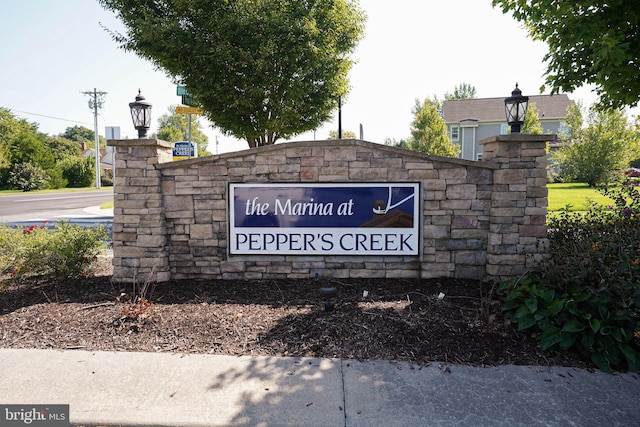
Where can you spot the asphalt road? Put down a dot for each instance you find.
(52, 206)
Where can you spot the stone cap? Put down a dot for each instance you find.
(335, 143)
(520, 137)
(139, 143)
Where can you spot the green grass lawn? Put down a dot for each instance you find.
(574, 194)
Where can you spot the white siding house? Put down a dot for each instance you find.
(471, 120)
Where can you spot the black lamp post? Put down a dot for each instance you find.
(141, 115)
(515, 107)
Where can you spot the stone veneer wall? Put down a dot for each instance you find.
(480, 219)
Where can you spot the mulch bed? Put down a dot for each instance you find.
(371, 319)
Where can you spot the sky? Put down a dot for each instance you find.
(53, 51)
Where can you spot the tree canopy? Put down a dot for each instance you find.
(532, 125)
(598, 152)
(10, 126)
(78, 134)
(174, 127)
(462, 91)
(61, 148)
(590, 42)
(30, 159)
(260, 69)
(82, 134)
(346, 134)
(429, 131)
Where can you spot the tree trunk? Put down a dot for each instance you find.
(269, 138)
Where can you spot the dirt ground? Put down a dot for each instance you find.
(371, 319)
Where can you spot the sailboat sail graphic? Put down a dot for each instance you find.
(381, 210)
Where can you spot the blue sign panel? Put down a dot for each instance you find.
(184, 150)
(328, 219)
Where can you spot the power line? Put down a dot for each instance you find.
(48, 117)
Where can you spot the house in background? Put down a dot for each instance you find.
(471, 120)
(106, 158)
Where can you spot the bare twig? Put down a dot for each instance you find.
(47, 297)
(103, 304)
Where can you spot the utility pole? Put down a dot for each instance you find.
(96, 101)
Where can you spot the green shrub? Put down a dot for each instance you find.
(4, 178)
(586, 297)
(56, 180)
(78, 171)
(63, 252)
(27, 177)
(106, 178)
(9, 244)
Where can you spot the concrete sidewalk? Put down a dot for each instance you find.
(161, 389)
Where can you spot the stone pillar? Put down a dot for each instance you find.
(140, 252)
(517, 238)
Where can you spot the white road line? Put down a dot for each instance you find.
(51, 198)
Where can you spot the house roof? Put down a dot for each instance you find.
(106, 157)
(492, 109)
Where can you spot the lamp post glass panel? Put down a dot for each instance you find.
(141, 115)
(515, 108)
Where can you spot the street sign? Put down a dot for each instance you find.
(188, 110)
(184, 150)
(112, 132)
(189, 100)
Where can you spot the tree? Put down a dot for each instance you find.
(429, 131)
(27, 147)
(82, 134)
(403, 143)
(532, 125)
(9, 127)
(174, 127)
(61, 148)
(78, 171)
(598, 152)
(78, 134)
(261, 70)
(590, 42)
(462, 91)
(346, 134)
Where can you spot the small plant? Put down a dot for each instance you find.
(587, 295)
(138, 311)
(135, 315)
(8, 250)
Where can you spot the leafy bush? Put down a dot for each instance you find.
(27, 177)
(587, 295)
(56, 180)
(63, 252)
(4, 178)
(106, 178)
(78, 171)
(9, 244)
